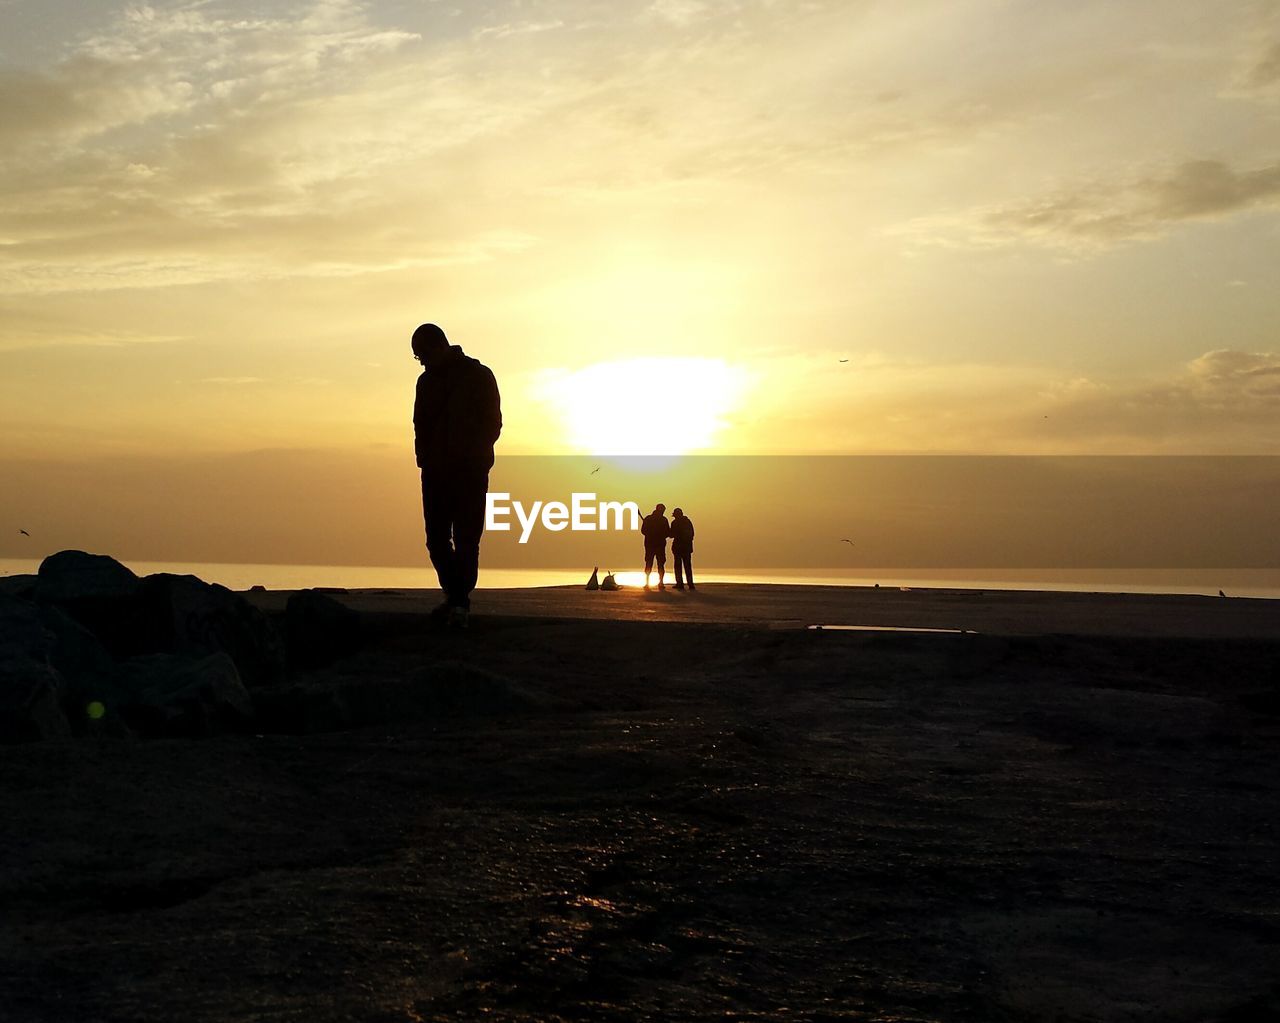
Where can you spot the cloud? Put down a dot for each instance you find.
(519, 28)
(1222, 402)
(187, 143)
(1257, 70)
(1100, 215)
(680, 13)
(193, 142)
(1238, 375)
(1264, 75)
(183, 146)
(25, 328)
(162, 62)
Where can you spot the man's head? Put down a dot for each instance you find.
(660, 508)
(678, 513)
(429, 344)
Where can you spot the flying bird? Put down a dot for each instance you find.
(844, 360)
(594, 471)
(845, 539)
(24, 532)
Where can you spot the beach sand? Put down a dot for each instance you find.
(686, 806)
(992, 612)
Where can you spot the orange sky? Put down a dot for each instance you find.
(750, 227)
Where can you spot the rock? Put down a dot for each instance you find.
(76, 653)
(31, 690)
(18, 585)
(185, 615)
(31, 699)
(52, 667)
(21, 627)
(95, 590)
(71, 576)
(164, 695)
(319, 629)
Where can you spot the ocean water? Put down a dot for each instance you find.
(1233, 581)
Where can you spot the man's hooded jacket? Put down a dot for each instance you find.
(457, 415)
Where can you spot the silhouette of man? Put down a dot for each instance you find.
(655, 529)
(682, 547)
(457, 417)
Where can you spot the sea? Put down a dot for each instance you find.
(1236, 582)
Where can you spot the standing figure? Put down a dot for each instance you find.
(655, 529)
(457, 417)
(682, 547)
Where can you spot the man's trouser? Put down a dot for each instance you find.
(453, 505)
(683, 562)
(658, 554)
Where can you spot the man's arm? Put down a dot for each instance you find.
(491, 407)
(420, 411)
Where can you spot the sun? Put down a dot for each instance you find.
(651, 406)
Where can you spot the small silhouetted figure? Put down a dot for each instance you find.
(655, 529)
(682, 547)
(457, 417)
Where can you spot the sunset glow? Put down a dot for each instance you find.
(668, 227)
(640, 407)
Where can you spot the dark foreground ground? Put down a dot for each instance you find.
(649, 820)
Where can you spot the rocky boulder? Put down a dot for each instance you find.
(47, 657)
(95, 590)
(96, 651)
(171, 695)
(31, 701)
(185, 615)
(71, 576)
(31, 691)
(320, 629)
(18, 585)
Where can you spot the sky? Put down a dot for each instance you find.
(747, 227)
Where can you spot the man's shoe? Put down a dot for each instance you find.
(441, 613)
(679, 586)
(692, 587)
(459, 618)
(662, 586)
